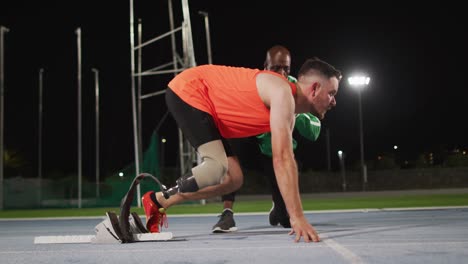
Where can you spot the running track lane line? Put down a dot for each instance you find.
(347, 254)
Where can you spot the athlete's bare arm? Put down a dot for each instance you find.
(277, 95)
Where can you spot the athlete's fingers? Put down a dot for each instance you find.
(298, 237)
(306, 237)
(315, 237)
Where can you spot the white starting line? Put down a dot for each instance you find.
(76, 239)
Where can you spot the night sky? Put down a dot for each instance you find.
(416, 58)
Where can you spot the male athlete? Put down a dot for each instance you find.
(278, 59)
(213, 102)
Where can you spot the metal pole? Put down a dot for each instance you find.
(96, 90)
(139, 101)
(327, 133)
(163, 152)
(132, 75)
(190, 49)
(39, 138)
(341, 155)
(208, 39)
(78, 33)
(173, 40)
(174, 58)
(361, 140)
(2, 89)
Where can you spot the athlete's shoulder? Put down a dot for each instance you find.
(310, 117)
(292, 79)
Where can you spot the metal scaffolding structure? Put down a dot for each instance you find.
(187, 155)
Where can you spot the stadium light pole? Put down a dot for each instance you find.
(341, 156)
(39, 137)
(327, 134)
(208, 37)
(96, 92)
(163, 152)
(78, 40)
(359, 82)
(3, 30)
(395, 154)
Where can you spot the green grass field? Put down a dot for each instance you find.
(264, 205)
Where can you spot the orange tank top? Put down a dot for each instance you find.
(229, 95)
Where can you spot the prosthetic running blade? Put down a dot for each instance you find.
(113, 229)
(126, 203)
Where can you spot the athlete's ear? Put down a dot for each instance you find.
(314, 88)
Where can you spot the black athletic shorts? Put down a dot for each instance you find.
(197, 126)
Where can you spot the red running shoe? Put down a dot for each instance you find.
(155, 214)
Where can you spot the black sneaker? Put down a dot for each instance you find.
(226, 222)
(279, 217)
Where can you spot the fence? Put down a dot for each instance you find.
(22, 193)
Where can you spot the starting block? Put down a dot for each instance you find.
(108, 232)
(113, 229)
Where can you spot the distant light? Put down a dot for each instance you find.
(395, 147)
(340, 153)
(163, 140)
(379, 157)
(358, 80)
(121, 174)
(464, 152)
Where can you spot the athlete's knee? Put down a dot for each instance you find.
(214, 164)
(210, 172)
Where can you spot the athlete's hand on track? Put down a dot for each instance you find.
(301, 227)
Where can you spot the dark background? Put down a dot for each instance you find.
(415, 56)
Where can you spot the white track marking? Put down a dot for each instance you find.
(63, 239)
(364, 210)
(73, 239)
(347, 254)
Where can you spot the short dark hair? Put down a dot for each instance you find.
(317, 65)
